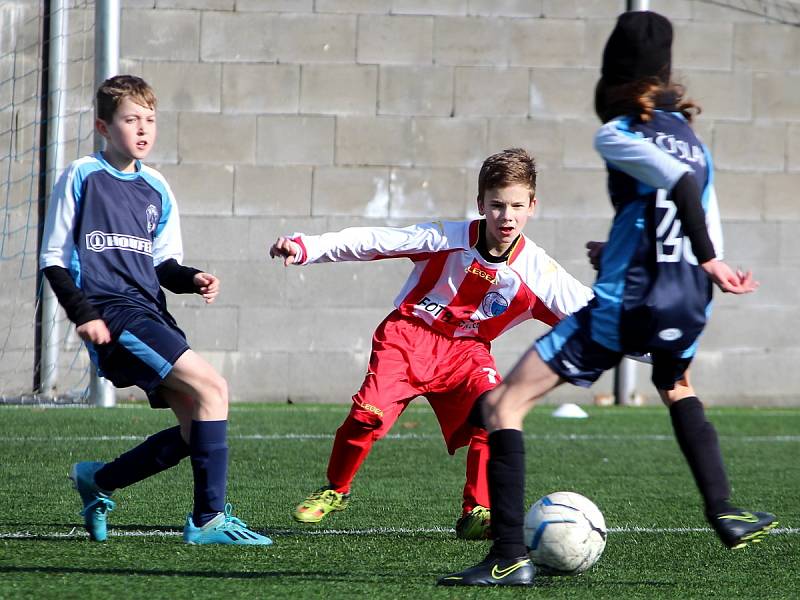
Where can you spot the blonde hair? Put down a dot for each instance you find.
(113, 90)
(509, 167)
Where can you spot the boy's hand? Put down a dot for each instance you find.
(285, 248)
(595, 251)
(728, 281)
(94, 331)
(207, 286)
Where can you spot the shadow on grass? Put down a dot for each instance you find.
(573, 581)
(310, 576)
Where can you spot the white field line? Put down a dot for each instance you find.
(408, 436)
(419, 405)
(388, 531)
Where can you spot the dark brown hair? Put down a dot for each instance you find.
(113, 90)
(640, 98)
(509, 167)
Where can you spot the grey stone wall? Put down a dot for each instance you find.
(278, 116)
(283, 116)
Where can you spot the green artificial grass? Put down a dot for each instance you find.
(396, 537)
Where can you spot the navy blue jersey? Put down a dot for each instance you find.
(651, 294)
(110, 229)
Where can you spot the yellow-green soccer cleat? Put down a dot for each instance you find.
(738, 528)
(475, 525)
(318, 504)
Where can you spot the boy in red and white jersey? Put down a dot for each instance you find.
(471, 281)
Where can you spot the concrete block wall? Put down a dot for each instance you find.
(278, 116)
(300, 115)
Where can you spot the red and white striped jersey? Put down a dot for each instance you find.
(452, 287)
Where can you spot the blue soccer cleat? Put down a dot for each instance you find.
(96, 503)
(223, 529)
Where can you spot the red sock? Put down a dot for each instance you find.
(476, 488)
(353, 442)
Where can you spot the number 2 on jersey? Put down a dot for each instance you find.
(671, 245)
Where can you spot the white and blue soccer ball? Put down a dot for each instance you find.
(565, 533)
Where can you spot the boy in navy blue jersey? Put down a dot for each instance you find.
(652, 294)
(111, 242)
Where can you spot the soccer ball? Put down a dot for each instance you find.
(565, 533)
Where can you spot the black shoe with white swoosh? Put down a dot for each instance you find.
(494, 571)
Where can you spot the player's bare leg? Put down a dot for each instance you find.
(505, 406)
(194, 377)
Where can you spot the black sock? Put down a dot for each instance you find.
(698, 441)
(475, 417)
(507, 492)
(157, 453)
(208, 444)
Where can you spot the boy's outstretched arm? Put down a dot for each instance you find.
(415, 242)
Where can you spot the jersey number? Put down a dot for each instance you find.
(670, 246)
(491, 374)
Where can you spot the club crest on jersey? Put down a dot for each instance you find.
(151, 214)
(494, 304)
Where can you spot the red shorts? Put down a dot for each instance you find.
(408, 360)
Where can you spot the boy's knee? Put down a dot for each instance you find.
(221, 386)
(212, 392)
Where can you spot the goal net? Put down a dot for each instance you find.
(31, 158)
(782, 11)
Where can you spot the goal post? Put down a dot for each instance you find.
(106, 64)
(53, 54)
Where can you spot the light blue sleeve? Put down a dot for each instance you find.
(632, 154)
(57, 240)
(167, 243)
(711, 206)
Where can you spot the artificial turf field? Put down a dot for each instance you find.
(396, 537)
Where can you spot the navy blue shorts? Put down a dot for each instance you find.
(144, 350)
(569, 350)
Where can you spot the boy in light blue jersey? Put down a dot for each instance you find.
(652, 294)
(111, 242)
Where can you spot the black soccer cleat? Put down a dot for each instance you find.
(737, 528)
(494, 571)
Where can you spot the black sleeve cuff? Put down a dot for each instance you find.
(686, 196)
(176, 278)
(78, 308)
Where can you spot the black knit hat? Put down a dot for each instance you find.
(639, 47)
